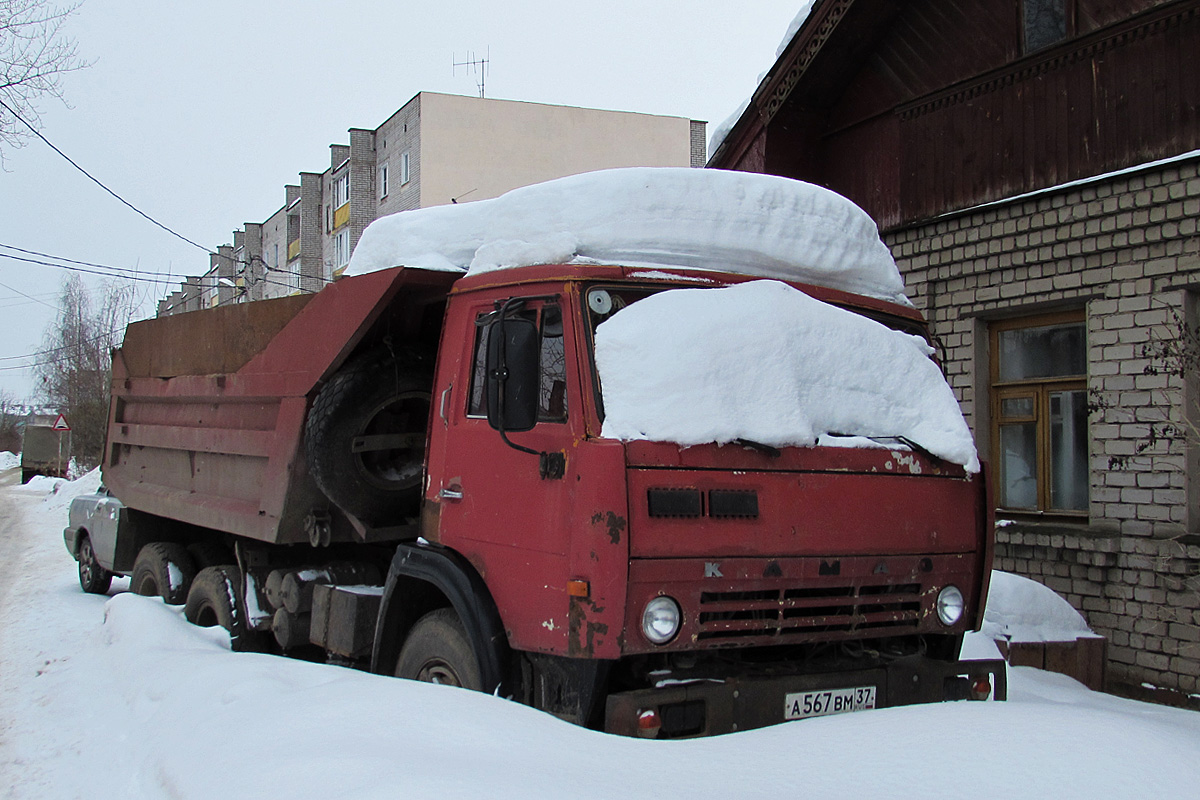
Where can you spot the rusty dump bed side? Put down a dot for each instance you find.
(207, 417)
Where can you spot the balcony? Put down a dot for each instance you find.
(341, 215)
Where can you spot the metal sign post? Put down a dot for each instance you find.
(60, 426)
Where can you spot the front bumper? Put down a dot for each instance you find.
(706, 708)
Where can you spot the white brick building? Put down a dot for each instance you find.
(436, 149)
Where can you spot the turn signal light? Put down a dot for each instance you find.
(649, 723)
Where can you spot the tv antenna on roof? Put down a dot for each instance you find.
(475, 66)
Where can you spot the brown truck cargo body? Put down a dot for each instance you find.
(208, 408)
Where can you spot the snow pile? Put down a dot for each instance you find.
(44, 484)
(766, 362)
(746, 223)
(797, 21)
(9, 460)
(63, 492)
(1023, 610)
(121, 697)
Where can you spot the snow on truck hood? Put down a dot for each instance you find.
(739, 222)
(765, 362)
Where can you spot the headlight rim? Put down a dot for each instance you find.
(656, 638)
(950, 599)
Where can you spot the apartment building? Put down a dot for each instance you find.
(436, 149)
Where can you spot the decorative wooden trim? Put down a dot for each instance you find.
(1084, 48)
(776, 90)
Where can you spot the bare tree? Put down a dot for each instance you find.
(35, 53)
(10, 418)
(77, 366)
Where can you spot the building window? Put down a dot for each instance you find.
(1045, 22)
(383, 180)
(404, 173)
(341, 190)
(341, 249)
(1039, 413)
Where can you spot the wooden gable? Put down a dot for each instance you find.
(913, 109)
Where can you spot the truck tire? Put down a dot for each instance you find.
(163, 569)
(93, 578)
(216, 599)
(365, 437)
(437, 650)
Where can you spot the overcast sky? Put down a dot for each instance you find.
(199, 113)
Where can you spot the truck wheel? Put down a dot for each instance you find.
(163, 569)
(215, 599)
(437, 650)
(93, 578)
(365, 437)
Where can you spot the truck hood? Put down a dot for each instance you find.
(728, 501)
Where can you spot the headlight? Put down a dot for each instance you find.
(950, 605)
(660, 620)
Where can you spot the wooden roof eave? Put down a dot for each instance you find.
(779, 81)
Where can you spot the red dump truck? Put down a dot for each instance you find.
(405, 472)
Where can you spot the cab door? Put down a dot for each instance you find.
(488, 500)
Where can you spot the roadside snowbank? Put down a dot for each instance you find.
(690, 366)
(1023, 610)
(9, 460)
(121, 697)
(740, 222)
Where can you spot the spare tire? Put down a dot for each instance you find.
(365, 437)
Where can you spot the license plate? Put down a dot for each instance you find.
(801, 705)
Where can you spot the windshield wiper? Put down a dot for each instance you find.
(765, 449)
(904, 440)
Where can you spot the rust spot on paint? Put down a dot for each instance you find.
(615, 524)
(582, 632)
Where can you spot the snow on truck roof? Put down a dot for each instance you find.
(649, 217)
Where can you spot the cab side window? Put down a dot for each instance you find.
(552, 401)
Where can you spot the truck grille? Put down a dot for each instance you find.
(801, 612)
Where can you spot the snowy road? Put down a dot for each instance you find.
(10, 543)
(119, 696)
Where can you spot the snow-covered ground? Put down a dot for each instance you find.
(119, 696)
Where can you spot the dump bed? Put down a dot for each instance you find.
(208, 408)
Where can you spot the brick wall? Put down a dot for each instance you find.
(1125, 250)
(699, 145)
(363, 193)
(401, 134)
(312, 267)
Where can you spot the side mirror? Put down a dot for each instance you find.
(513, 374)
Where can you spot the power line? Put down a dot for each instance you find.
(124, 273)
(27, 296)
(96, 181)
(170, 277)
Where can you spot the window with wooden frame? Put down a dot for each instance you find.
(1039, 413)
(1046, 22)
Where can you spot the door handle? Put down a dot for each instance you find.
(448, 493)
(442, 408)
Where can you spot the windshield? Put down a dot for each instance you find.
(764, 362)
